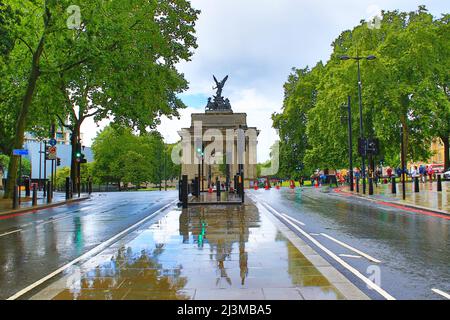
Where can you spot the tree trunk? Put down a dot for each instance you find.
(21, 121)
(446, 142)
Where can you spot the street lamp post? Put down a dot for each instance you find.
(361, 128)
(350, 143)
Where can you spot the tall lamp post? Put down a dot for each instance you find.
(361, 128)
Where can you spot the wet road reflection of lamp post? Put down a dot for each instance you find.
(371, 57)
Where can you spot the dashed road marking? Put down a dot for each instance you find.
(442, 293)
(293, 219)
(365, 255)
(349, 256)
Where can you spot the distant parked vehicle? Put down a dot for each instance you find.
(447, 175)
(437, 168)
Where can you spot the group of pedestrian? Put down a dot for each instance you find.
(422, 172)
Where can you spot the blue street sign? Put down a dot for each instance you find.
(20, 152)
(52, 142)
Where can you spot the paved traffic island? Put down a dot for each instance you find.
(203, 253)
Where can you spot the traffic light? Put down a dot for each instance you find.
(82, 158)
(78, 152)
(58, 161)
(373, 146)
(362, 147)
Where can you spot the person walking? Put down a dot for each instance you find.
(422, 173)
(430, 173)
(415, 172)
(389, 172)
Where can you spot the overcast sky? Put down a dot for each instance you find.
(256, 43)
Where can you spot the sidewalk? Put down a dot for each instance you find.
(427, 199)
(59, 198)
(206, 253)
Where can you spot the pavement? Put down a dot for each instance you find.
(428, 198)
(205, 252)
(59, 198)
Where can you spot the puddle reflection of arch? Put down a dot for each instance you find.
(225, 227)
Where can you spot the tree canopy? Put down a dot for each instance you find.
(407, 85)
(124, 157)
(100, 59)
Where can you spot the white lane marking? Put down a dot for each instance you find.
(365, 255)
(97, 249)
(335, 257)
(442, 293)
(11, 232)
(315, 234)
(349, 256)
(293, 219)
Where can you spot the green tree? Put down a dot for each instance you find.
(119, 62)
(124, 157)
(405, 87)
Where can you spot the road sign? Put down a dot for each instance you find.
(51, 153)
(20, 152)
(52, 142)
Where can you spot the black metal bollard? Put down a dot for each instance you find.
(394, 185)
(439, 183)
(49, 192)
(67, 188)
(416, 184)
(90, 186)
(218, 189)
(27, 188)
(179, 191)
(370, 186)
(242, 187)
(15, 199)
(357, 185)
(184, 191)
(34, 195)
(194, 187)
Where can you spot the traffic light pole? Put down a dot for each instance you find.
(361, 128)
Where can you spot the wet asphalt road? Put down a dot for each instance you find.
(414, 249)
(33, 245)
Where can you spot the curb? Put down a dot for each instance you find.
(408, 205)
(42, 207)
